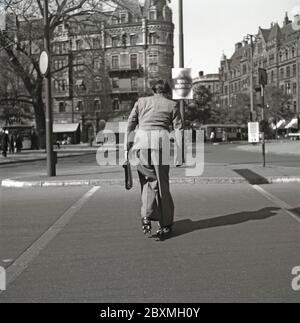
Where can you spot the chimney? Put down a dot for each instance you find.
(286, 21)
(201, 74)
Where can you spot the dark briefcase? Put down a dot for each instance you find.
(128, 175)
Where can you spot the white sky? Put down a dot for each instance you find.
(214, 26)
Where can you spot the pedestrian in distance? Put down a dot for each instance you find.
(12, 143)
(154, 116)
(19, 143)
(4, 143)
(212, 137)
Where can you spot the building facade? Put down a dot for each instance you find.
(102, 67)
(211, 82)
(276, 49)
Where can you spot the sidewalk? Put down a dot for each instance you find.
(114, 176)
(37, 155)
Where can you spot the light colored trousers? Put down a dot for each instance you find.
(157, 202)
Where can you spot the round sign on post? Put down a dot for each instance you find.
(182, 84)
(44, 63)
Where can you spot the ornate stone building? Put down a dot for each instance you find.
(211, 82)
(111, 62)
(276, 49)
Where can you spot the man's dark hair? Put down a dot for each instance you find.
(161, 87)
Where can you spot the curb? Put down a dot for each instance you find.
(8, 183)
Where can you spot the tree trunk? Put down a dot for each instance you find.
(40, 119)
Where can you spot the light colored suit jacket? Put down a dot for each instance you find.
(154, 117)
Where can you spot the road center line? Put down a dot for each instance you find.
(283, 205)
(21, 263)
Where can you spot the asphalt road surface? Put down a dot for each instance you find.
(231, 243)
(223, 155)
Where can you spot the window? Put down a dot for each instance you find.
(114, 21)
(294, 88)
(62, 107)
(133, 61)
(286, 54)
(152, 15)
(98, 84)
(97, 105)
(288, 88)
(114, 41)
(123, 18)
(295, 106)
(288, 72)
(115, 83)
(134, 83)
(272, 76)
(133, 40)
(153, 58)
(79, 64)
(79, 106)
(281, 73)
(116, 105)
(294, 70)
(293, 52)
(152, 38)
(280, 57)
(115, 62)
(96, 43)
(79, 44)
(97, 63)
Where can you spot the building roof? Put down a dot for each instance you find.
(265, 33)
(275, 33)
(133, 6)
(238, 55)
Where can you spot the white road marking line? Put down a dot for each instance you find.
(283, 205)
(22, 262)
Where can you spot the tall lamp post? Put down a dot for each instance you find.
(181, 65)
(45, 66)
(181, 52)
(251, 39)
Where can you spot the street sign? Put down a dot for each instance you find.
(2, 17)
(44, 63)
(182, 84)
(253, 132)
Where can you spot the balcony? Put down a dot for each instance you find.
(124, 92)
(126, 70)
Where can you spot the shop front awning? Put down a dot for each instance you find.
(293, 124)
(280, 125)
(65, 127)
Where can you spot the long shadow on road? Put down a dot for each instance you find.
(188, 226)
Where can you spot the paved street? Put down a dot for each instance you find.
(230, 243)
(219, 161)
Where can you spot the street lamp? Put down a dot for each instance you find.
(181, 65)
(251, 38)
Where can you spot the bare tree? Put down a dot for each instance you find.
(22, 41)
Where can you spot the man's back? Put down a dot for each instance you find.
(154, 113)
(154, 117)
